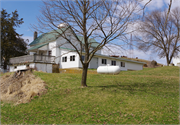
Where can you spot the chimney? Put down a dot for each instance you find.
(35, 35)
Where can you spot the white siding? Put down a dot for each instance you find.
(58, 56)
(108, 61)
(93, 63)
(69, 64)
(123, 68)
(98, 52)
(49, 68)
(11, 69)
(128, 65)
(44, 67)
(52, 47)
(32, 65)
(134, 66)
(176, 61)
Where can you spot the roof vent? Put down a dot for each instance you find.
(62, 25)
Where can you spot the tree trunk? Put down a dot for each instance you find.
(167, 60)
(84, 75)
(5, 64)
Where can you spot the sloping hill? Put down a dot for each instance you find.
(143, 60)
(132, 97)
(160, 71)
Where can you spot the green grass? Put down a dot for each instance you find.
(150, 96)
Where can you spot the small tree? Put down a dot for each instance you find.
(12, 44)
(101, 19)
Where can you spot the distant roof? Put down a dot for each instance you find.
(53, 35)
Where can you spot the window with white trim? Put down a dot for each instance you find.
(64, 59)
(113, 63)
(122, 64)
(72, 58)
(103, 61)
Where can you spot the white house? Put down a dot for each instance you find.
(176, 61)
(53, 45)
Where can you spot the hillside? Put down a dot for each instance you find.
(150, 96)
(143, 60)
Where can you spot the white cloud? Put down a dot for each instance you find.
(30, 38)
(158, 4)
(154, 4)
(175, 3)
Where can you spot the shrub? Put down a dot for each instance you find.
(153, 63)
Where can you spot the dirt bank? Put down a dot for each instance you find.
(21, 87)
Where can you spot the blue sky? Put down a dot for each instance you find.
(30, 9)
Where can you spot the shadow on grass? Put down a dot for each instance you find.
(131, 87)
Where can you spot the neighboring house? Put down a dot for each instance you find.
(52, 45)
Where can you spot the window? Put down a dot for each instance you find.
(103, 61)
(64, 59)
(122, 64)
(49, 53)
(72, 58)
(113, 63)
(82, 58)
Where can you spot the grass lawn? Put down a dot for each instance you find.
(150, 96)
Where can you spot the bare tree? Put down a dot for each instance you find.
(160, 31)
(104, 20)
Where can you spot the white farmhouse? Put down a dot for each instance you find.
(51, 48)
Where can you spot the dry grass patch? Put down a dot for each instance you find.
(21, 89)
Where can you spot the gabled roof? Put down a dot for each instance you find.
(48, 37)
(53, 35)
